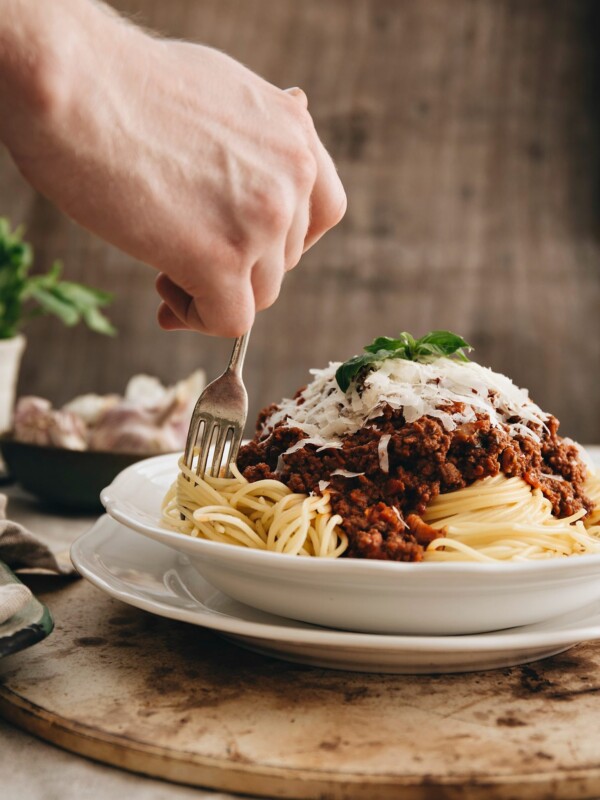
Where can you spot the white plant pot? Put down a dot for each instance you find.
(11, 351)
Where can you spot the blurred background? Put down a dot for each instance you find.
(467, 134)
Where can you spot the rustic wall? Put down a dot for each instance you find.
(467, 135)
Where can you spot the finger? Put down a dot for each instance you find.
(175, 298)
(224, 309)
(180, 305)
(294, 244)
(267, 275)
(328, 199)
(297, 92)
(168, 320)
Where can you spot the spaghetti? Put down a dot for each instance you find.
(504, 519)
(494, 519)
(264, 515)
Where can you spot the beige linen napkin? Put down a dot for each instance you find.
(20, 549)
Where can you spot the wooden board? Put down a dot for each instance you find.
(175, 701)
(467, 135)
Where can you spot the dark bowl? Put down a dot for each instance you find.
(69, 479)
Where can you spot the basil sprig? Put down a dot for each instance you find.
(435, 344)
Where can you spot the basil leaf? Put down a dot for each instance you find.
(350, 369)
(428, 350)
(386, 343)
(446, 341)
(435, 344)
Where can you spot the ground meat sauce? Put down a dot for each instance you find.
(381, 511)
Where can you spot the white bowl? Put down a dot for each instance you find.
(362, 595)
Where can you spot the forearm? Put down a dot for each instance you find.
(40, 48)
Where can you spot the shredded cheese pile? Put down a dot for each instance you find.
(327, 414)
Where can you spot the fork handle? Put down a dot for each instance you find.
(236, 362)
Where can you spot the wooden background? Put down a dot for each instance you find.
(467, 134)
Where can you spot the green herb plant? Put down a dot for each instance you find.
(433, 345)
(23, 296)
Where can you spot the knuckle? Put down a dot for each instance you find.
(305, 122)
(273, 210)
(293, 259)
(336, 207)
(293, 252)
(341, 208)
(234, 256)
(296, 104)
(304, 168)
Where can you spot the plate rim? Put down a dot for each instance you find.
(304, 633)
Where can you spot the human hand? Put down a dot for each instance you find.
(183, 158)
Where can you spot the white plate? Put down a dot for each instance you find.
(156, 578)
(358, 594)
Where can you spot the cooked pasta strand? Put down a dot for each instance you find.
(504, 519)
(263, 515)
(494, 519)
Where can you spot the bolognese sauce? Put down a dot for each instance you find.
(382, 475)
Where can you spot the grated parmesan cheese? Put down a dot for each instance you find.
(345, 473)
(382, 452)
(326, 414)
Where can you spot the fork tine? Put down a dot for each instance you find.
(190, 444)
(204, 447)
(236, 440)
(219, 449)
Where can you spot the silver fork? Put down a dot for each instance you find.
(220, 414)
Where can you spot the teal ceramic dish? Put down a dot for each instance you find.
(29, 625)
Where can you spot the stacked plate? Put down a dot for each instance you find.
(347, 613)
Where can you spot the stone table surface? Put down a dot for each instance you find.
(34, 770)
